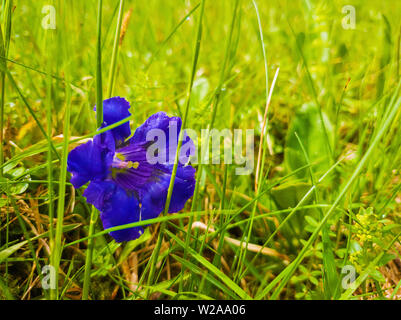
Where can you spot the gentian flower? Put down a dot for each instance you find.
(125, 186)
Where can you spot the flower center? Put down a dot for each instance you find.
(120, 163)
(130, 169)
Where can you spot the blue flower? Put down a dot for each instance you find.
(124, 185)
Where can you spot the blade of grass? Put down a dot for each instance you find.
(2, 78)
(36, 149)
(58, 245)
(247, 235)
(89, 254)
(114, 57)
(217, 272)
(330, 275)
(4, 47)
(268, 93)
(49, 40)
(26, 235)
(99, 121)
(25, 102)
(171, 34)
(210, 279)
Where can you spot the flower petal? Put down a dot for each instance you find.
(170, 128)
(117, 208)
(115, 109)
(184, 186)
(159, 120)
(91, 160)
(99, 194)
(154, 194)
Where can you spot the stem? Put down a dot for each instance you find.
(114, 56)
(99, 120)
(53, 293)
(99, 93)
(88, 259)
(58, 245)
(4, 46)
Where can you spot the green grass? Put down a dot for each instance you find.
(324, 103)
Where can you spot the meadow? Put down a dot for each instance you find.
(318, 82)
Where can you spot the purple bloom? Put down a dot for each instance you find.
(124, 186)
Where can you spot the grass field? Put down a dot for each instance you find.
(317, 217)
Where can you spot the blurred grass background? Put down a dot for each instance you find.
(348, 78)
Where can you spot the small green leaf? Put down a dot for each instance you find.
(289, 195)
(18, 188)
(387, 257)
(3, 202)
(308, 126)
(376, 274)
(4, 254)
(355, 247)
(131, 245)
(311, 221)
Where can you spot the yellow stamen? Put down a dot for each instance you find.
(120, 156)
(134, 165)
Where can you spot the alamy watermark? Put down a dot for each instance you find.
(49, 20)
(212, 146)
(49, 277)
(349, 20)
(348, 280)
